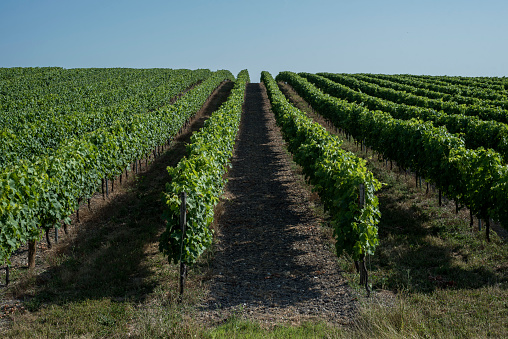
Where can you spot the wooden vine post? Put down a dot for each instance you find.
(487, 229)
(32, 248)
(48, 240)
(77, 211)
(360, 265)
(103, 190)
(183, 222)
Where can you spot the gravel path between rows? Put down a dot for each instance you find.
(272, 262)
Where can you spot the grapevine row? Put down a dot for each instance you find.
(337, 175)
(80, 89)
(419, 88)
(475, 178)
(483, 112)
(443, 87)
(51, 129)
(476, 133)
(201, 177)
(491, 83)
(37, 195)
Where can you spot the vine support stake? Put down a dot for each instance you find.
(364, 275)
(487, 229)
(32, 249)
(183, 222)
(56, 235)
(77, 211)
(48, 240)
(361, 195)
(7, 279)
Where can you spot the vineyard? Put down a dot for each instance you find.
(308, 197)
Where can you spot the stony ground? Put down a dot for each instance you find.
(272, 261)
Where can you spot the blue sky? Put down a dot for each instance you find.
(468, 38)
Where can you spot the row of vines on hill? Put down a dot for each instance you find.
(477, 179)
(36, 194)
(30, 132)
(459, 94)
(201, 176)
(481, 110)
(490, 83)
(476, 132)
(341, 179)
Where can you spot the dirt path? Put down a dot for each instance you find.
(271, 261)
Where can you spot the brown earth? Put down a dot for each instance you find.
(272, 262)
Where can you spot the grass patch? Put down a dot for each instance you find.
(102, 318)
(237, 328)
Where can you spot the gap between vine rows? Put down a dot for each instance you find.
(272, 260)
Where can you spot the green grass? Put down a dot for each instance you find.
(236, 328)
(97, 318)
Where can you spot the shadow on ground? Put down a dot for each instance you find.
(265, 228)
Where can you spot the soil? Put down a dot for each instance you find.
(271, 261)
